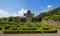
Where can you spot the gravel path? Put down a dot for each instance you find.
(42, 34)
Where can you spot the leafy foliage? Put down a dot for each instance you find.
(46, 17)
(22, 28)
(55, 17)
(52, 12)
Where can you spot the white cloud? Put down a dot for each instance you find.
(14, 14)
(49, 6)
(3, 13)
(42, 11)
(21, 12)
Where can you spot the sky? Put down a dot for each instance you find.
(19, 7)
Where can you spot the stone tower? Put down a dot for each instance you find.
(29, 16)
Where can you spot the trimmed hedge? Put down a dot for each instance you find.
(30, 31)
(14, 28)
(0, 28)
(49, 31)
(46, 28)
(38, 25)
(32, 28)
(29, 28)
(9, 31)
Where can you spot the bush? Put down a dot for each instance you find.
(49, 31)
(55, 17)
(46, 17)
(30, 31)
(6, 25)
(38, 25)
(29, 28)
(46, 28)
(1, 26)
(9, 31)
(14, 28)
(7, 28)
(34, 19)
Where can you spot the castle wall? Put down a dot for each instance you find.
(51, 22)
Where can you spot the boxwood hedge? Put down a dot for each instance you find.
(33, 28)
(9, 31)
(29, 28)
(30, 31)
(49, 31)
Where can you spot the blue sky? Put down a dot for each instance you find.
(19, 7)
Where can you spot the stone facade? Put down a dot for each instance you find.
(51, 22)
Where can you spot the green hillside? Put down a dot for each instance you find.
(50, 13)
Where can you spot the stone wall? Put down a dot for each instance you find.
(51, 22)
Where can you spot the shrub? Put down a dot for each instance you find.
(30, 31)
(1, 26)
(49, 31)
(55, 17)
(34, 19)
(46, 17)
(7, 28)
(9, 31)
(38, 25)
(14, 28)
(46, 28)
(29, 28)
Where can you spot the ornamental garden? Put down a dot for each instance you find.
(30, 23)
(24, 27)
